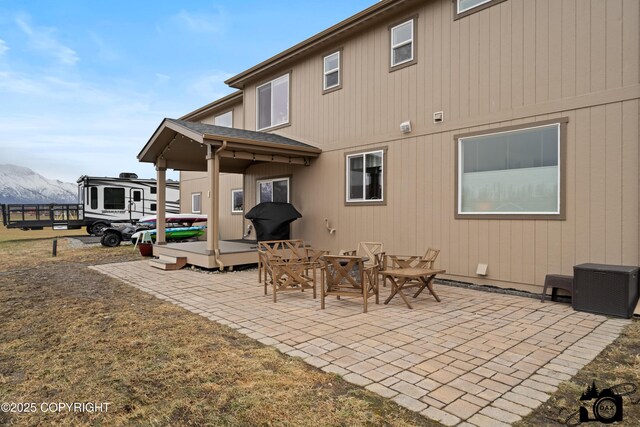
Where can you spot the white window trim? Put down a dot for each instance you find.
(459, 160)
(233, 200)
(272, 109)
(223, 114)
(411, 40)
(193, 198)
(470, 7)
(331, 71)
(364, 175)
(262, 181)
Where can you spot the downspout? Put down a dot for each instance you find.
(216, 215)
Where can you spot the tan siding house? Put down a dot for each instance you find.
(523, 147)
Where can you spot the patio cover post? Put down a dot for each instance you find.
(213, 174)
(162, 197)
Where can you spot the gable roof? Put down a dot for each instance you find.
(367, 16)
(184, 146)
(233, 134)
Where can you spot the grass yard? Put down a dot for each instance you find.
(70, 334)
(11, 234)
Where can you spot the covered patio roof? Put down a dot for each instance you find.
(183, 146)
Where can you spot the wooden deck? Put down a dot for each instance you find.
(232, 253)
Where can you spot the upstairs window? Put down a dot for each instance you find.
(365, 175)
(331, 72)
(273, 103)
(402, 44)
(467, 7)
(225, 119)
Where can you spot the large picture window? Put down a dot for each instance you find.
(273, 190)
(512, 172)
(114, 198)
(273, 103)
(365, 175)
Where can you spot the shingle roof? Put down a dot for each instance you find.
(223, 131)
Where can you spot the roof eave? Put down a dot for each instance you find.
(371, 12)
(217, 104)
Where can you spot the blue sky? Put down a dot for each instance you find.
(83, 84)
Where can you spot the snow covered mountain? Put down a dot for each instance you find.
(22, 185)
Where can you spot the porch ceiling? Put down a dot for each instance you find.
(183, 145)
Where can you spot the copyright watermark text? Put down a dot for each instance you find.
(54, 407)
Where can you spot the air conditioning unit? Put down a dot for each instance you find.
(128, 175)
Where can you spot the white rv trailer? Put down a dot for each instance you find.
(101, 201)
(124, 199)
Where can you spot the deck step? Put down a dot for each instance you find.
(165, 262)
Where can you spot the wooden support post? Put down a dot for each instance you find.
(161, 214)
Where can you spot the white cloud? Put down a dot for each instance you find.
(162, 78)
(210, 86)
(3, 47)
(42, 38)
(15, 83)
(201, 22)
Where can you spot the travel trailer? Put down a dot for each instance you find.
(101, 201)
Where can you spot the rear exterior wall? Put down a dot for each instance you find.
(520, 61)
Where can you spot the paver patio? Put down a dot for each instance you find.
(476, 358)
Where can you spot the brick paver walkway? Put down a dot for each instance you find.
(476, 358)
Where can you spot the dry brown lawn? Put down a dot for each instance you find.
(70, 334)
(11, 234)
(619, 363)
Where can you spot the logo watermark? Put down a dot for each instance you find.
(604, 406)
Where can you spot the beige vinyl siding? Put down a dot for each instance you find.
(520, 61)
(231, 225)
(601, 197)
(517, 62)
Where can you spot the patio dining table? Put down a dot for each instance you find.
(404, 278)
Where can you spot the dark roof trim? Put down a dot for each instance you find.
(212, 132)
(238, 139)
(379, 8)
(215, 105)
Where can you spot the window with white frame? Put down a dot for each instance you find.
(402, 43)
(273, 190)
(331, 71)
(467, 7)
(237, 201)
(513, 172)
(225, 119)
(365, 177)
(272, 100)
(196, 202)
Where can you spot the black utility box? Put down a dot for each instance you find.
(605, 289)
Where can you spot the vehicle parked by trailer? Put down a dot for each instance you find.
(102, 201)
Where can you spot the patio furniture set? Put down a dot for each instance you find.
(290, 265)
